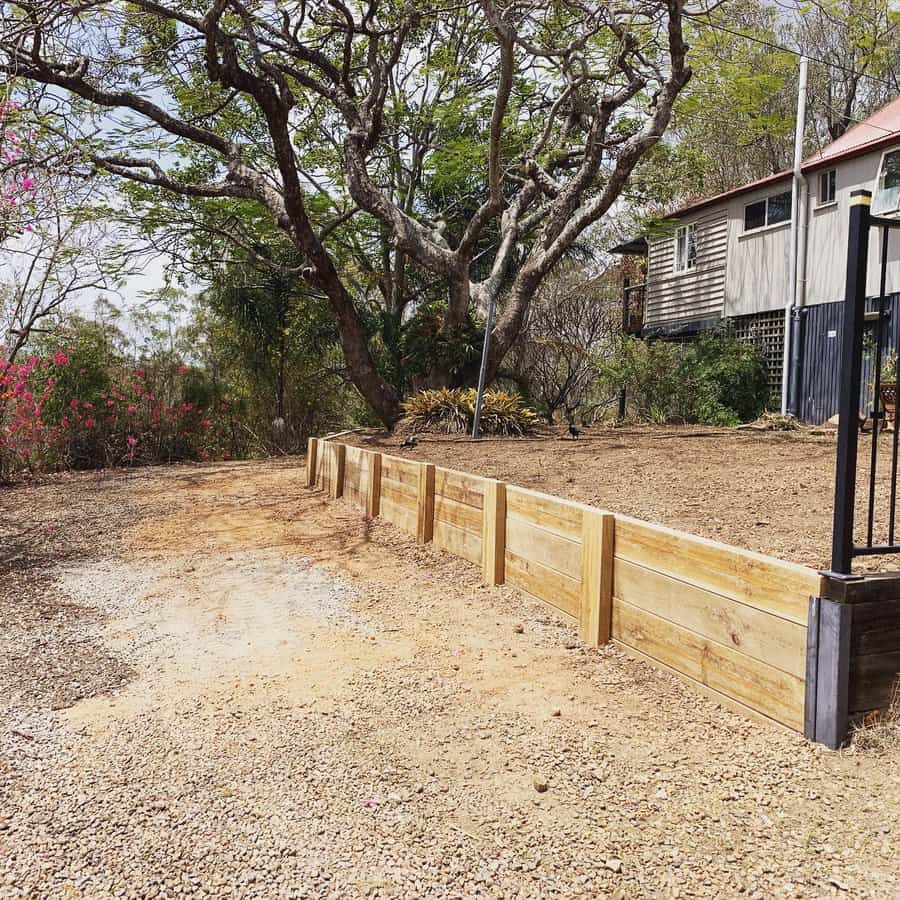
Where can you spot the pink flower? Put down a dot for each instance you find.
(87, 404)
(73, 403)
(89, 423)
(131, 440)
(139, 372)
(182, 370)
(205, 423)
(60, 358)
(132, 409)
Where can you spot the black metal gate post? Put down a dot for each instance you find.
(851, 378)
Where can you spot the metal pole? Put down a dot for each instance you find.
(851, 377)
(482, 373)
(796, 185)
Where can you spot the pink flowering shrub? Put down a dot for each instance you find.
(58, 411)
(16, 185)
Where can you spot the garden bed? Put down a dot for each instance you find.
(771, 492)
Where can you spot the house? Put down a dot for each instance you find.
(728, 258)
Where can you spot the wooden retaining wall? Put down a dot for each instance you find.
(730, 622)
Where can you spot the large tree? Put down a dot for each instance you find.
(306, 107)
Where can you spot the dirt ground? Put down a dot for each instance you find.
(214, 683)
(767, 491)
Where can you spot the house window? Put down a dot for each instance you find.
(770, 211)
(887, 187)
(685, 248)
(827, 187)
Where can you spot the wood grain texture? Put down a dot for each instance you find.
(493, 533)
(873, 680)
(338, 452)
(544, 547)
(398, 469)
(768, 638)
(777, 587)
(768, 690)
(597, 555)
(459, 514)
(457, 541)
(373, 485)
(404, 517)
(399, 489)
(705, 690)
(460, 487)
(312, 449)
(425, 504)
(546, 584)
(561, 517)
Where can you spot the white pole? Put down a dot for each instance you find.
(482, 372)
(799, 129)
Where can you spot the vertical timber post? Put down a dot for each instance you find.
(373, 487)
(597, 549)
(425, 514)
(851, 376)
(312, 448)
(337, 484)
(493, 533)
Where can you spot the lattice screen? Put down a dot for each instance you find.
(766, 330)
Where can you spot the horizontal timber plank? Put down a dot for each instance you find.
(354, 455)
(401, 516)
(402, 492)
(544, 547)
(875, 627)
(546, 584)
(458, 514)
(457, 541)
(700, 688)
(768, 690)
(397, 469)
(778, 587)
(768, 638)
(873, 680)
(562, 517)
(459, 486)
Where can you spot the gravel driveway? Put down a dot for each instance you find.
(213, 683)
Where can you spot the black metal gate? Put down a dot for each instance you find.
(868, 342)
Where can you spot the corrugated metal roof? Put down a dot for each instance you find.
(880, 129)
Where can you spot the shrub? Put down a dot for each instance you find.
(715, 380)
(452, 411)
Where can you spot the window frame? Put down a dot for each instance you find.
(767, 223)
(683, 260)
(877, 210)
(831, 175)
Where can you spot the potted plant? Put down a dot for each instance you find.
(888, 389)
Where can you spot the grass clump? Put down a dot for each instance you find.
(452, 411)
(880, 732)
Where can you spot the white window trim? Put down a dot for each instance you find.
(875, 185)
(689, 265)
(820, 204)
(768, 225)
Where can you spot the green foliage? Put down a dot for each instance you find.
(715, 380)
(452, 411)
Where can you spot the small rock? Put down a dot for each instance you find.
(614, 865)
(555, 712)
(540, 783)
(518, 629)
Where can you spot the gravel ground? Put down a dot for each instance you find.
(214, 683)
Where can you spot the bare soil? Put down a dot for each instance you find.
(216, 683)
(768, 491)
